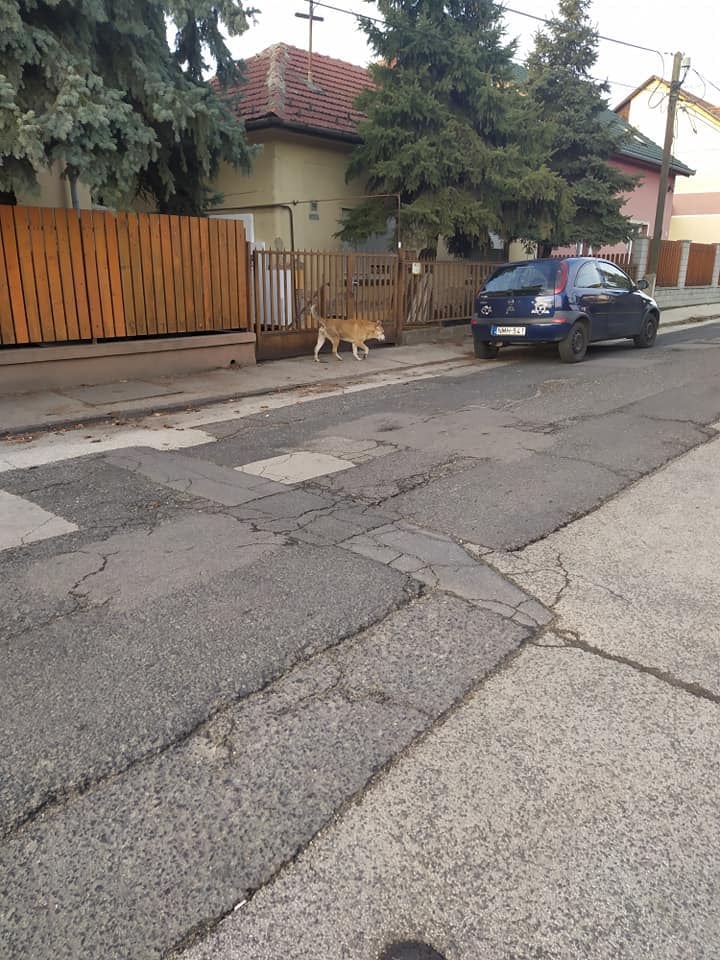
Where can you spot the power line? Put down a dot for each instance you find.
(623, 43)
(707, 80)
(615, 83)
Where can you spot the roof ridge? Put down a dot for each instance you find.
(289, 48)
(275, 80)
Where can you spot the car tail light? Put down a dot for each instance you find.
(562, 276)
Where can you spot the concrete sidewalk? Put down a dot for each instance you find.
(130, 399)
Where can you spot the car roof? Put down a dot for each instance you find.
(574, 258)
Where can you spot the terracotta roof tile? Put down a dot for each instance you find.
(276, 88)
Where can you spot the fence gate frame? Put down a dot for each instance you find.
(286, 283)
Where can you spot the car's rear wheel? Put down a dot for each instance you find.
(648, 333)
(574, 347)
(484, 350)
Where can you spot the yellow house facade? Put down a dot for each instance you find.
(300, 115)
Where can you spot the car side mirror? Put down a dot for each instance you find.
(642, 284)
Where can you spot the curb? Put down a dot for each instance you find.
(138, 413)
(687, 322)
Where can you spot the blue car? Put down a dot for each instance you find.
(571, 302)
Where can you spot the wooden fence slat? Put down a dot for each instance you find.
(114, 275)
(67, 273)
(103, 275)
(7, 330)
(198, 319)
(242, 278)
(157, 273)
(151, 326)
(39, 272)
(137, 274)
(13, 324)
(124, 263)
(208, 318)
(87, 232)
(52, 267)
(77, 263)
(168, 274)
(216, 273)
(236, 247)
(178, 273)
(225, 274)
(188, 273)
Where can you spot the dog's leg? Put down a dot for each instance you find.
(354, 350)
(336, 347)
(320, 341)
(366, 348)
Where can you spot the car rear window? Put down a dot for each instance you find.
(519, 278)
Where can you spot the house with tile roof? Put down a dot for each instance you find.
(695, 208)
(306, 131)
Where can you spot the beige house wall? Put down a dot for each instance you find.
(292, 169)
(53, 190)
(702, 228)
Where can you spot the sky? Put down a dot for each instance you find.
(691, 26)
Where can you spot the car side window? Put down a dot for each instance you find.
(614, 278)
(588, 276)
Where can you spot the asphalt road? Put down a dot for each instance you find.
(204, 666)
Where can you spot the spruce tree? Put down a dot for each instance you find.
(585, 134)
(92, 86)
(448, 130)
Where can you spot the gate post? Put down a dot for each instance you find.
(399, 296)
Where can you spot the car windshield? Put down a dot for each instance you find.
(519, 278)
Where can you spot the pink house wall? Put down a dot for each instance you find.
(640, 204)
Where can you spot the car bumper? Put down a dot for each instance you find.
(549, 331)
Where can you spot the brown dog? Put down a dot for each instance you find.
(352, 330)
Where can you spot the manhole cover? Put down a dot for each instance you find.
(410, 950)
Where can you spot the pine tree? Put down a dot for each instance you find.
(448, 130)
(585, 133)
(92, 85)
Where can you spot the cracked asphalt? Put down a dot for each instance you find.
(464, 691)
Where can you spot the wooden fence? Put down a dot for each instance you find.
(700, 265)
(375, 286)
(97, 275)
(668, 270)
(443, 291)
(287, 283)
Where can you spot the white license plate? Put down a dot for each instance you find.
(508, 331)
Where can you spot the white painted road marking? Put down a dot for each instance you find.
(53, 447)
(22, 521)
(296, 467)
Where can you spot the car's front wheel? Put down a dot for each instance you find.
(484, 350)
(648, 333)
(574, 347)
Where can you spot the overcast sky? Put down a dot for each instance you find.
(692, 26)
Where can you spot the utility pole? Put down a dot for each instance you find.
(311, 18)
(675, 83)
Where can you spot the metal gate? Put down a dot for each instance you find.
(286, 283)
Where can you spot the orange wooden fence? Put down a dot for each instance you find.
(65, 277)
(701, 261)
(668, 270)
